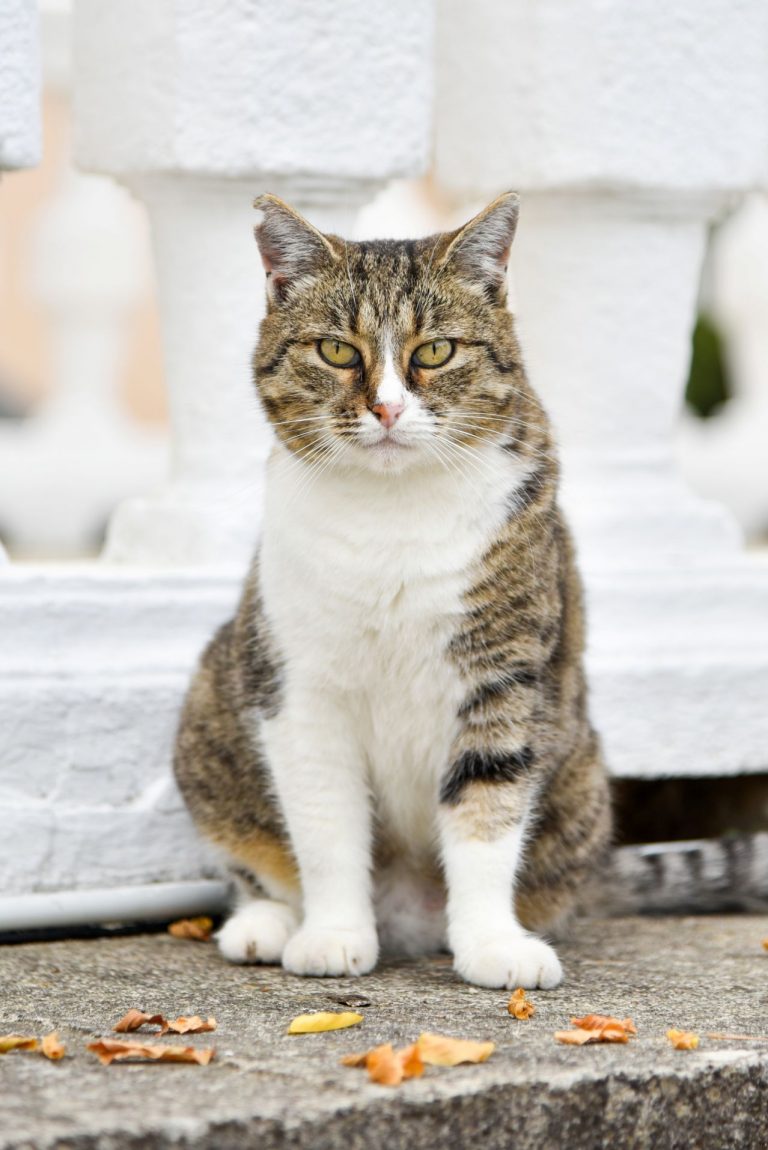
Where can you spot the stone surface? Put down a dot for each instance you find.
(270, 1090)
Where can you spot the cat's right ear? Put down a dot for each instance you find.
(291, 248)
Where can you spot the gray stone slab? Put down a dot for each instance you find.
(269, 1090)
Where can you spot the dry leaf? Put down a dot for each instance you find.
(519, 1005)
(683, 1039)
(111, 1050)
(439, 1050)
(324, 1020)
(192, 1025)
(599, 1021)
(386, 1066)
(16, 1042)
(765, 944)
(198, 929)
(596, 1028)
(52, 1047)
(136, 1018)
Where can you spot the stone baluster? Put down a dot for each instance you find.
(199, 109)
(20, 140)
(627, 129)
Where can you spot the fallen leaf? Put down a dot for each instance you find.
(598, 1021)
(765, 944)
(386, 1066)
(136, 1018)
(596, 1028)
(16, 1042)
(683, 1039)
(324, 1020)
(519, 1005)
(197, 929)
(52, 1047)
(439, 1050)
(111, 1050)
(351, 1000)
(192, 1025)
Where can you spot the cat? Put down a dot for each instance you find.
(390, 740)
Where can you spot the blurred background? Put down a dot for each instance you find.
(134, 136)
(82, 395)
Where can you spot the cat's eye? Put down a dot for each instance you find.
(338, 353)
(433, 354)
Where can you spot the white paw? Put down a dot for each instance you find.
(331, 951)
(257, 932)
(509, 960)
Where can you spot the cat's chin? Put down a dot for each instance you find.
(389, 457)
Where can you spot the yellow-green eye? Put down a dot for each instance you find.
(433, 354)
(338, 354)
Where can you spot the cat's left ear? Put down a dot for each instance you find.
(479, 252)
(291, 248)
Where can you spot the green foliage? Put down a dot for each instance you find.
(708, 385)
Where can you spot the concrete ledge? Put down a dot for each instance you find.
(270, 1090)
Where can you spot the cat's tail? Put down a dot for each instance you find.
(687, 877)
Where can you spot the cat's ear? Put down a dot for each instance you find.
(291, 248)
(479, 252)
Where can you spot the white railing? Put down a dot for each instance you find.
(605, 118)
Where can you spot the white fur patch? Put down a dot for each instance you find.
(362, 579)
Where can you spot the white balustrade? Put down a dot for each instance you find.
(627, 130)
(19, 93)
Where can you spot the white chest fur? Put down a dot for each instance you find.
(362, 579)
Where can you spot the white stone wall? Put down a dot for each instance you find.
(19, 85)
(628, 128)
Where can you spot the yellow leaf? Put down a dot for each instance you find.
(439, 1050)
(683, 1039)
(52, 1048)
(324, 1020)
(16, 1042)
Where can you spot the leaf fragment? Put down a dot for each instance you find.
(136, 1018)
(765, 944)
(197, 929)
(109, 1050)
(52, 1047)
(440, 1050)
(519, 1006)
(683, 1039)
(16, 1042)
(192, 1025)
(387, 1066)
(324, 1020)
(596, 1028)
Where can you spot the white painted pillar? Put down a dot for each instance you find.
(627, 129)
(199, 109)
(20, 139)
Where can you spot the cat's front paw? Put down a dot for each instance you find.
(509, 961)
(257, 932)
(331, 951)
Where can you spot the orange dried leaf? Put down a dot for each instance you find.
(356, 1060)
(519, 1006)
(136, 1018)
(439, 1050)
(582, 1037)
(384, 1066)
(52, 1047)
(605, 1021)
(192, 1025)
(109, 1050)
(412, 1062)
(16, 1042)
(683, 1039)
(324, 1020)
(196, 929)
(765, 944)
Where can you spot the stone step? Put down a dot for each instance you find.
(269, 1090)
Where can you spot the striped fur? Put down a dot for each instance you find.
(392, 736)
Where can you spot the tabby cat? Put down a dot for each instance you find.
(390, 740)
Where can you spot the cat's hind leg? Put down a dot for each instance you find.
(267, 912)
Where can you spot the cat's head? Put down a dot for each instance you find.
(387, 354)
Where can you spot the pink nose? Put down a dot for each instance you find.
(388, 413)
